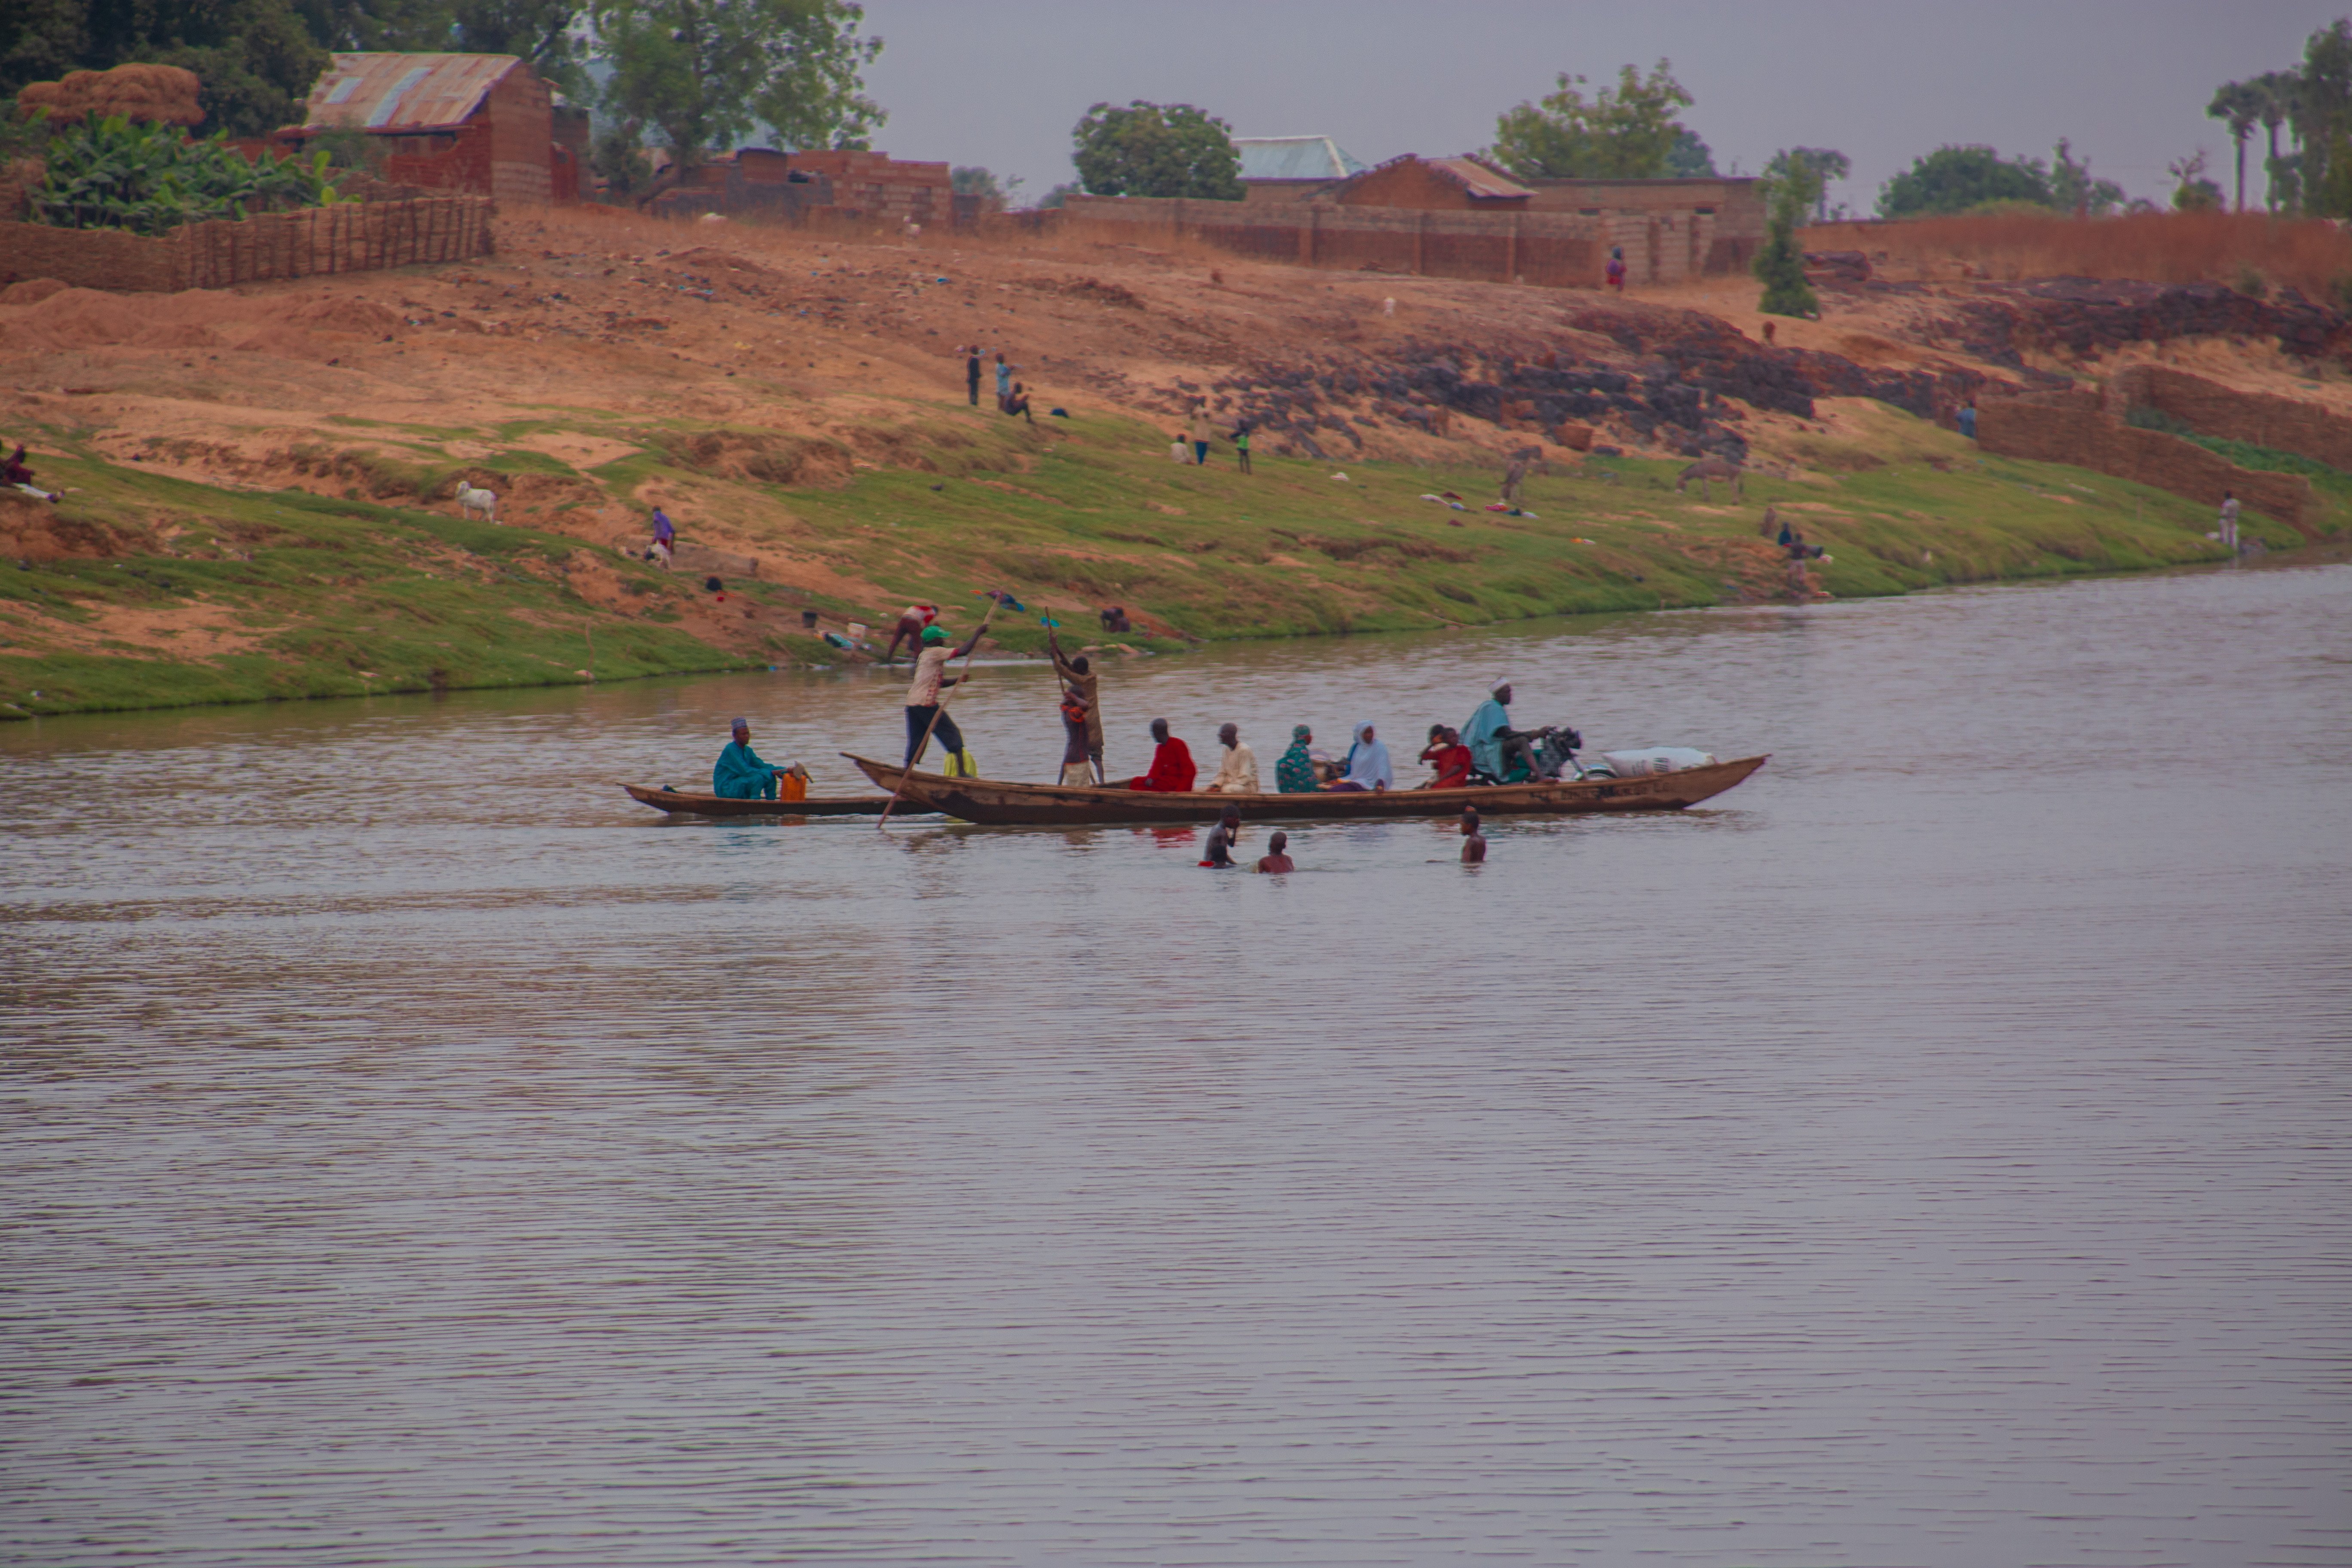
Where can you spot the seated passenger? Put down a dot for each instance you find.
(1447, 754)
(1294, 771)
(1368, 763)
(1171, 763)
(741, 775)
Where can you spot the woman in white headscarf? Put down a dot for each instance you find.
(1368, 763)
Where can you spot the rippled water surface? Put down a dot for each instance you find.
(1933, 1152)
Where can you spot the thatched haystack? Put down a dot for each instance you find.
(164, 93)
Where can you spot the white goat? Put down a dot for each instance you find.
(471, 501)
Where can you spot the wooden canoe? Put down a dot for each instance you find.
(995, 802)
(694, 804)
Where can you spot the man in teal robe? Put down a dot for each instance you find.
(1491, 741)
(741, 775)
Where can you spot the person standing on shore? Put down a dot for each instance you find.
(909, 630)
(1241, 444)
(1614, 273)
(971, 373)
(1004, 380)
(2228, 519)
(1202, 433)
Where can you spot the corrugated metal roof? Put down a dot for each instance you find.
(1479, 180)
(1295, 158)
(404, 92)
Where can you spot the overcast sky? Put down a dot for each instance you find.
(1000, 82)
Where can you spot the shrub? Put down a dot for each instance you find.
(111, 173)
(1781, 266)
(2146, 418)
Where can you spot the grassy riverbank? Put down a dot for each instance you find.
(180, 590)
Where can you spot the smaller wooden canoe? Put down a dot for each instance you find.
(686, 802)
(998, 801)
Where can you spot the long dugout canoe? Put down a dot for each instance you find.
(998, 802)
(687, 803)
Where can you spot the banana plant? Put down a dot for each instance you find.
(150, 179)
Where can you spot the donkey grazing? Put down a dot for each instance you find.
(1710, 468)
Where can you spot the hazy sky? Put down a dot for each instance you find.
(1000, 82)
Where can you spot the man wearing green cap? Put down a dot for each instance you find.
(929, 687)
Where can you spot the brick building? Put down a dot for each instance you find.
(1432, 184)
(479, 124)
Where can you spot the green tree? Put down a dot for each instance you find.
(398, 26)
(2071, 188)
(1156, 150)
(1690, 158)
(1953, 179)
(973, 180)
(2237, 104)
(1626, 132)
(543, 32)
(256, 58)
(1781, 266)
(2321, 116)
(1821, 165)
(2275, 93)
(2192, 191)
(700, 74)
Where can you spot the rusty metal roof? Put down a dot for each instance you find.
(1480, 180)
(404, 92)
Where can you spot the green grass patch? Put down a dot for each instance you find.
(278, 594)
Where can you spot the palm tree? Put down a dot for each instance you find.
(2275, 95)
(2240, 103)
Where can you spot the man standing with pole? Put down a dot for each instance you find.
(926, 710)
(1079, 675)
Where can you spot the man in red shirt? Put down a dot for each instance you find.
(1172, 764)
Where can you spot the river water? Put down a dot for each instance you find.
(1933, 1152)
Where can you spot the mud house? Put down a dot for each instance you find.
(761, 184)
(478, 124)
(1292, 168)
(1460, 217)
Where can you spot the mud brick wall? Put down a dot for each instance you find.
(93, 259)
(350, 237)
(2087, 437)
(1545, 249)
(2260, 419)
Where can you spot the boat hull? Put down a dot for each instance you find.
(683, 803)
(1001, 803)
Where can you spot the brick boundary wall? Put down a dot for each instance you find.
(2069, 431)
(1549, 249)
(348, 236)
(2258, 418)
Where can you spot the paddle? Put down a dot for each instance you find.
(994, 600)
